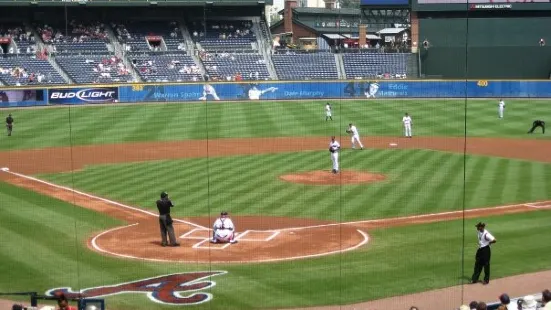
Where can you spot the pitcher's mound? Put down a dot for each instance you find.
(322, 177)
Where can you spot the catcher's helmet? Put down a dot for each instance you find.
(164, 194)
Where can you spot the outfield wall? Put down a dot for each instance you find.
(169, 92)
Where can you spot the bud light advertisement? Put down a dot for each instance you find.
(83, 95)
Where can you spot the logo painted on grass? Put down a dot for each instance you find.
(172, 289)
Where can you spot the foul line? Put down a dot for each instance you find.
(7, 170)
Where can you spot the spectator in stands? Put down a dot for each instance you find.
(506, 301)
(528, 303)
(546, 299)
(481, 306)
(542, 42)
(63, 303)
(413, 308)
(464, 307)
(473, 305)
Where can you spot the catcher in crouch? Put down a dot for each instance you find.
(223, 230)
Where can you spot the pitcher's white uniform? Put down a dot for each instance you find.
(355, 136)
(501, 108)
(406, 120)
(209, 90)
(223, 230)
(334, 148)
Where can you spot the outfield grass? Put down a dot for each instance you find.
(44, 127)
(398, 261)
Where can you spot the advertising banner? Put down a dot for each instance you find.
(22, 97)
(92, 95)
(335, 90)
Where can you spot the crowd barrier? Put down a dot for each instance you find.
(230, 91)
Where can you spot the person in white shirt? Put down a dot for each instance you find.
(483, 254)
(328, 113)
(334, 148)
(501, 108)
(546, 299)
(406, 120)
(353, 131)
(223, 230)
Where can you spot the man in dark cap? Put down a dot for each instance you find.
(165, 221)
(483, 254)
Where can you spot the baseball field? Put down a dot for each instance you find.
(79, 184)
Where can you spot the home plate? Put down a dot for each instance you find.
(393, 144)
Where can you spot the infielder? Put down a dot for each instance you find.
(223, 230)
(501, 108)
(406, 120)
(334, 148)
(208, 90)
(353, 131)
(328, 114)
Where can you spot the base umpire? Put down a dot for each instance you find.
(537, 123)
(483, 254)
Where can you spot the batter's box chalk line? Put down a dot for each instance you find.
(270, 235)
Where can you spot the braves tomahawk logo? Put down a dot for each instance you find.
(168, 289)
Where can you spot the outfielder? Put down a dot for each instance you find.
(353, 131)
(223, 230)
(406, 120)
(328, 114)
(501, 108)
(334, 148)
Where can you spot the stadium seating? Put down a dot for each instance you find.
(249, 66)
(79, 38)
(224, 35)
(370, 65)
(17, 70)
(165, 67)
(23, 39)
(94, 68)
(313, 66)
(135, 34)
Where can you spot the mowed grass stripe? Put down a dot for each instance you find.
(478, 178)
(442, 187)
(389, 201)
(421, 176)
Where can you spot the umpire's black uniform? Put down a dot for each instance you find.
(483, 254)
(165, 221)
(537, 123)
